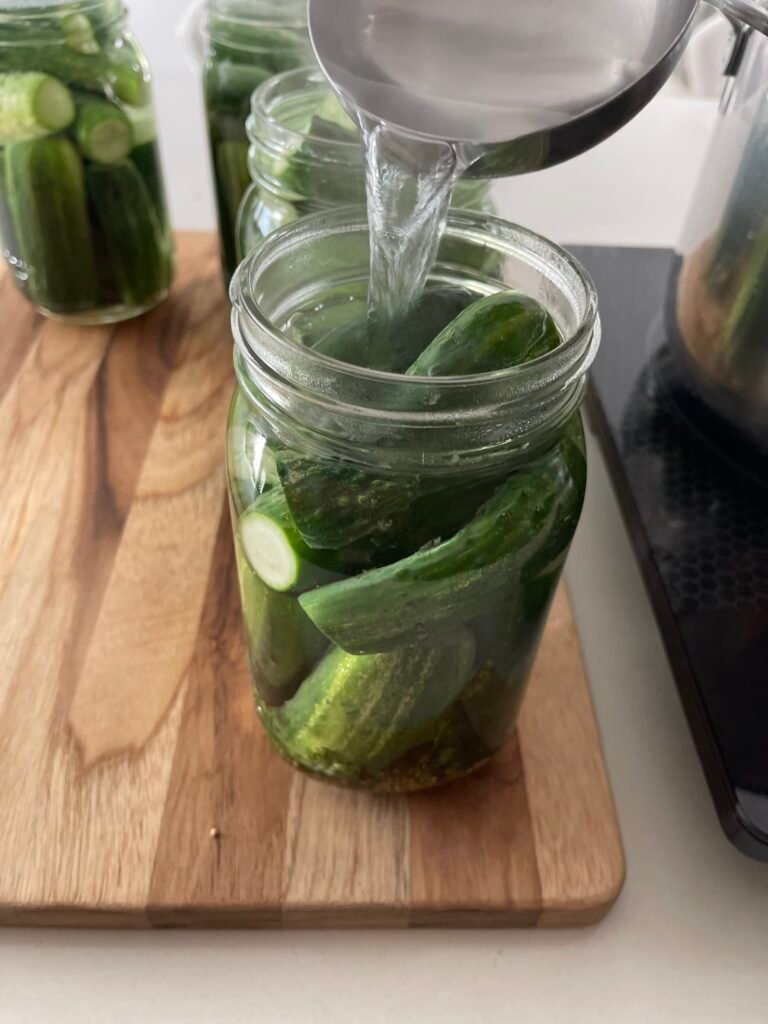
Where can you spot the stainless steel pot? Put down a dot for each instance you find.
(718, 307)
(517, 85)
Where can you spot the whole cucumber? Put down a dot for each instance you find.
(495, 333)
(354, 715)
(47, 202)
(134, 241)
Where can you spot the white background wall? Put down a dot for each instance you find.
(634, 189)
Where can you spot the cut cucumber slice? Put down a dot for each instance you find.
(103, 131)
(33, 105)
(275, 550)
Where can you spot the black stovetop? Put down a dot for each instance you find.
(695, 497)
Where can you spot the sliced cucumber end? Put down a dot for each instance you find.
(54, 105)
(110, 142)
(269, 552)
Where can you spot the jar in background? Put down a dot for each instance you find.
(398, 539)
(248, 41)
(83, 218)
(306, 155)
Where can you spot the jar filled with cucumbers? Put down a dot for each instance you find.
(403, 498)
(248, 41)
(83, 220)
(306, 155)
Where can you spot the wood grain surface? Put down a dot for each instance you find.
(138, 789)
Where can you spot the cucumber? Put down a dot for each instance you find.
(33, 105)
(47, 201)
(228, 91)
(335, 503)
(360, 343)
(232, 181)
(146, 159)
(747, 324)
(103, 131)
(275, 549)
(121, 72)
(446, 585)
(79, 34)
(273, 49)
(495, 333)
(308, 174)
(133, 239)
(143, 124)
(283, 645)
(354, 715)
(9, 245)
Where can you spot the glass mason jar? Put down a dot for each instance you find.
(398, 539)
(248, 41)
(83, 218)
(306, 155)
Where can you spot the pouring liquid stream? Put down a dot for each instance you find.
(409, 184)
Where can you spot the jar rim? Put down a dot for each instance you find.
(473, 418)
(42, 9)
(282, 87)
(351, 218)
(271, 16)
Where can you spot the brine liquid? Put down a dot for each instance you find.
(409, 183)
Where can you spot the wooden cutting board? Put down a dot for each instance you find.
(137, 787)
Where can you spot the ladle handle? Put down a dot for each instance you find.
(747, 12)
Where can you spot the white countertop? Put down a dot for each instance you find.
(688, 939)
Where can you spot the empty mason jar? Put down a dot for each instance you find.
(83, 218)
(399, 538)
(306, 155)
(248, 41)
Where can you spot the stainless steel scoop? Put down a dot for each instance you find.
(518, 85)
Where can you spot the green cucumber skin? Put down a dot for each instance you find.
(495, 333)
(92, 113)
(335, 504)
(9, 243)
(357, 342)
(283, 645)
(447, 585)
(352, 716)
(232, 73)
(47, 201)
(123, 76)
(133, 239)
(232, 181)
(146, 159)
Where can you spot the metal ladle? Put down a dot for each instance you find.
(516, 85)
